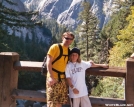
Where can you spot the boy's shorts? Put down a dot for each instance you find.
(80, 102)
(57, 94)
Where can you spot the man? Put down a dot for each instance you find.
(56, 87)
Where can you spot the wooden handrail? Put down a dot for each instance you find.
(36, 66)
(111, 71)
(41, 97)
(29, 95)
(28, 65)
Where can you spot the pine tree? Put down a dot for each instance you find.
(88, 40)
(87, 31)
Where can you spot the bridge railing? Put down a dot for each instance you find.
(10, 66)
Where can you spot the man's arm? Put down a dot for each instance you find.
(51, 79)
(49, 65)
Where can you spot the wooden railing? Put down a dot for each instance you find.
(10, 65)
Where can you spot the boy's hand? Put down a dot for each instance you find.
(105, 65)
(75, 91)
(132, 56)
(92, 62)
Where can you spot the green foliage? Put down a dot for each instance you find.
(124, 47)
(31, 81)
(29, 51)
(111, 87)
(123, 3)
(73, 44)
(14, 20)
(91, 82)
(88, 40)
(87, 31)
(10, 17)
(56, 29)
(110, 31)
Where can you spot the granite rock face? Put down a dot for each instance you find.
(66, 11)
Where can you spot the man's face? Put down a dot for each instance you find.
(67, 40)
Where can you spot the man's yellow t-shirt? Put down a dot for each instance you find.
(60, 64)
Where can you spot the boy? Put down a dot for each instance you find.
(75, 75)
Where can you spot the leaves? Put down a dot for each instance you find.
(124, 47)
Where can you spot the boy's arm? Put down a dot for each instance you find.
(75, 91)
(132, 56)
(69, 83)
(98, 65)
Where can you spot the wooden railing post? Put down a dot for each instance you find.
(8, 78)
(129, 86)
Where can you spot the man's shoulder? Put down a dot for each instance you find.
(54, 45)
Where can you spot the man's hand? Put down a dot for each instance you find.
(51, 81)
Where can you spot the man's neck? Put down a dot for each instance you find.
(65, 45)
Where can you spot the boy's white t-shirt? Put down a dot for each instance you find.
(76, 71)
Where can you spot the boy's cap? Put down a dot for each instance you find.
(75, 50)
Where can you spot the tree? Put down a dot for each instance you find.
(87, 31)
(124, 47)
(88, 40)
(111, 87)
(110, 31)
(13, 19)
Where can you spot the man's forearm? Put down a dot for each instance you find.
(49, 65)
(49, 69)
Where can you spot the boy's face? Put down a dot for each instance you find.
(74, 57)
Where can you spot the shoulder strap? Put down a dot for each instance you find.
(60, 55)
(68, 51)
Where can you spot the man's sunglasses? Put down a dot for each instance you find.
(68, 38)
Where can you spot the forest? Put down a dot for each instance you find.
(112, 44)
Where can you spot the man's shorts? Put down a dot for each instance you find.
(57, 94)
